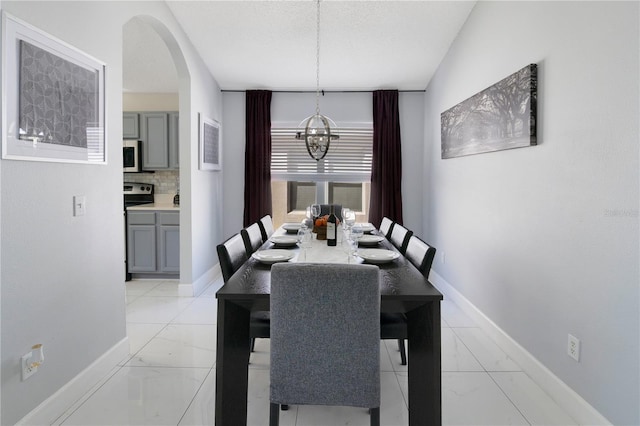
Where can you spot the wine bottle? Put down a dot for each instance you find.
(332, 228)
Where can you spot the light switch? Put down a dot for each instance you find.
(79, 205)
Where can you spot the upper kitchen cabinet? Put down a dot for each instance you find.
(155, 140)
(174, 148)
(130, 125)
(159, 136)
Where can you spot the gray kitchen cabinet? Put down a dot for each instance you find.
(130, 125)
(153, 242)
(169, 241)
(159, 133)
(154, 133)
(141, 242)
(174, 137)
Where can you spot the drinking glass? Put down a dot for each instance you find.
(354, 237)
(315, 210)
(350, 219)
(347, 245)
(306, 242)
(345, 213)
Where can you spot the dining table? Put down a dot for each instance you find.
(403, 289)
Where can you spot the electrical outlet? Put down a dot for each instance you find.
(29, 368)
(573, 347)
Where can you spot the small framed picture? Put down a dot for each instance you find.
(210, 152)
(53, 104)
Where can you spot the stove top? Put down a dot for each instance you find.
(137, 193)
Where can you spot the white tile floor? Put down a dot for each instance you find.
(169, 377)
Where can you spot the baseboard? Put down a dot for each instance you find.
(51, 408)
(198, 286)
(560, 392)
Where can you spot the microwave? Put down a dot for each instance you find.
(131, 156)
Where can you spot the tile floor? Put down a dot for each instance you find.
(169, 377)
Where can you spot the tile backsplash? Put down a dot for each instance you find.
(164, 181)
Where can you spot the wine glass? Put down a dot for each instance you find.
(315, 210)
(306, 241)
(350, 219)
(345, 213)
(301, 233)
(354, 237)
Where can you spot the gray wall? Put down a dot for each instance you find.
(340, 107)
(62, 277)
(544, 240)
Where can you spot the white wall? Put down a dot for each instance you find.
(340, 107)
(62, 277)
(544, 240)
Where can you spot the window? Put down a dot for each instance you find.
(342, 177)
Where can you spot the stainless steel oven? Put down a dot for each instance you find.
(134, 194)
(131, 156)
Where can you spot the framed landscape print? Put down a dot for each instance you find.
(502, 116)
(54, 106)
(210, 152)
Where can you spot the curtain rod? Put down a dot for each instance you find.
(322, 91)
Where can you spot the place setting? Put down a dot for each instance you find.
(291, 227)
(369, 240)
(378, 256)
(272, 256)
(284, 241)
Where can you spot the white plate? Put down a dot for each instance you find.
(273, 256)
(291, 227)
(370, 240)
(366, 227)
(377, 256)
(284, 240)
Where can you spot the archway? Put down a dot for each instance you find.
(156, 78)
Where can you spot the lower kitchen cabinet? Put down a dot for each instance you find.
(169, 242)
(153, 242)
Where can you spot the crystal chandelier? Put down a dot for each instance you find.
(318, 129)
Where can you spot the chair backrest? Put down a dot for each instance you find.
(231, 254)
(325, 334)
(252, 236)
(400, 237)
(385, 227)
(266, 227)
(420, 254)
(326, 209)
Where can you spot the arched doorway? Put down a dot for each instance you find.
(155, 90)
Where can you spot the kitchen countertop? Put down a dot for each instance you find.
(155, 206)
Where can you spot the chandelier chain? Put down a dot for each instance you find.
(318, 58)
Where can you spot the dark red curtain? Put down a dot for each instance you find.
(386, 167)
(257, 156)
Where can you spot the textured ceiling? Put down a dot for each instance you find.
(272, 44)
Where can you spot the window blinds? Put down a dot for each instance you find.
(348, 160)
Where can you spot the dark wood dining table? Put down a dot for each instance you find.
(402, 288)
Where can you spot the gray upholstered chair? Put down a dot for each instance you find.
(394, 326)
(252, 236)
(325, 336)
(385, 227)
(400, 237)
(266, 227)
(232, 254)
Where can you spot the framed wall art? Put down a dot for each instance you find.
(502, 116)
(53, 103)
(210, 151)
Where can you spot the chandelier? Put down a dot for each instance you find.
(318, 129)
